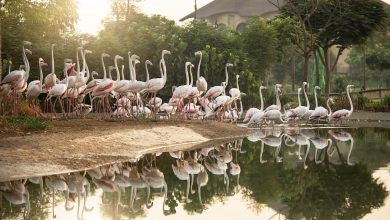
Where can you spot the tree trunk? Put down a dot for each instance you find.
(327, 71)
(293, 71)
(307, 59)
(364, 67)
(317, 69)
(1, 58)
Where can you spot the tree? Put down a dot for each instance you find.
(379, 59)
(342, 23)
(260, 43)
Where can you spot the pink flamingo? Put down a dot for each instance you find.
(34, 88)
(343, 113)
(201, 82)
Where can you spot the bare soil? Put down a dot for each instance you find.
(78, 144)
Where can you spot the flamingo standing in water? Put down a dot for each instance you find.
(344, 137)
(300, 111)
(277, 106)
(58, 183)
(201, 82)
(181, 173)
(343, 113)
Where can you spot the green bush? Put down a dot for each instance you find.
(26, 123)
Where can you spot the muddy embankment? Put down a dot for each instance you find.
(80, 144)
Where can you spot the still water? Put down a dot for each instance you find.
(290, 174)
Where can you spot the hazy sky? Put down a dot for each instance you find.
(92, 12)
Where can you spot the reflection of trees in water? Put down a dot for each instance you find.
(324, 191)
(331, 191)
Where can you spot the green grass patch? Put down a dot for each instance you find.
(26, 123)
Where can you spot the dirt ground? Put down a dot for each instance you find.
(78, 144)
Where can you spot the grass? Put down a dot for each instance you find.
(25, 123)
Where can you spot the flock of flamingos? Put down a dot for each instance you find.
(135, 98)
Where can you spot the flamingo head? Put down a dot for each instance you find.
(331, 100)
(165, 52)
(28, 51)
(105, 55)
(136, 62)
(317, 88)
(263, 87)
(350, 86)
(67, 60)
(42, 62)
(94, 73)
(148, 62)
(117, 57)
(134, 57)
(87, 51)
(223, 84)
(229, 65)
(299, 90)
(111, 68)
(198, 53)
(237, 76)
(27, 43)
(188, 64)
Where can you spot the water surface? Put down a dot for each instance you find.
(343, 174)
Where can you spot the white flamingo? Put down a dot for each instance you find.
(216, 91)
(201, 82)
(277, 106)
(252, 111)
(300, 111)
(57, 91)
(344, 137)
(34, 88)
(339, 115)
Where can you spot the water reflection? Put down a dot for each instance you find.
(296, 173)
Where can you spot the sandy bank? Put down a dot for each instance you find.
(78, 144)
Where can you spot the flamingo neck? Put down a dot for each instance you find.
(277, 98)
(299, 97)
(315, 97)
(77, 60)
(329, 108)
(161, 69)
(350, 151)
(238, 87)
(40, 74)
(261, 100)
(187, 81)
(226, 76)
(104, 68)
(200, 61)
(85, 67)
(130, 67)
(117, 70)
(52, 58)
(350, 101)
(147, 71)
(122, 72)
(164, 67)
(134, 71)
(192, 78)
(307, 99)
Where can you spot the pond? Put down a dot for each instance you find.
(322, 173)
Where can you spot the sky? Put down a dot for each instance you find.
(92, 12)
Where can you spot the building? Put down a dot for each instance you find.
(234, 13)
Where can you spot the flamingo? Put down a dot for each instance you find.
(57, 91)
(181, 92)
(51, 78)
(78, 184)
(216, 91)
(343, 113)
(201, 82)
(202, 180)
(273, 141)
(17, 198)
(34, 88)
(300, 111)
(319, 111)
(344, 137)
(181, 173)
(319, 144)
(253, 111)
(278, 105)
(58, 183)
(154, 85)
